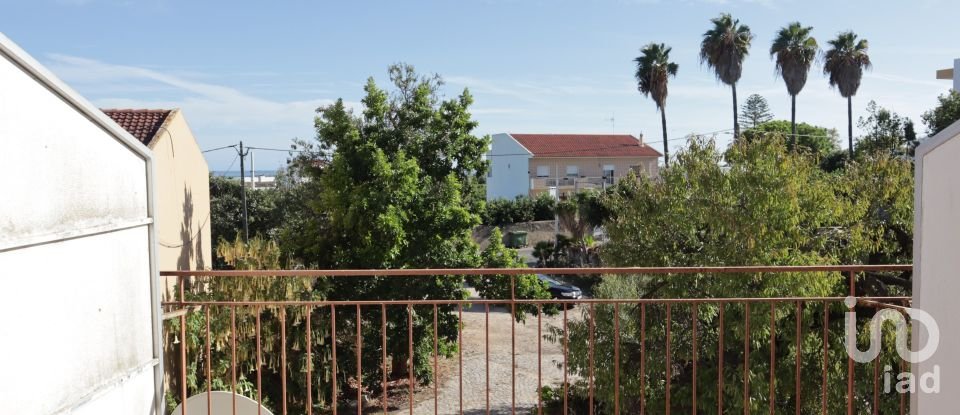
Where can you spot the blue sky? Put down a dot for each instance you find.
(257, 70)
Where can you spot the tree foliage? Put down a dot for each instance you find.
(227, 324)
(767, 206)
(755, 111)
(402, 190)
(947, 112)
(887, 132)
(814, 140)
(524, 286)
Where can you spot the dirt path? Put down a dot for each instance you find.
(475, 370)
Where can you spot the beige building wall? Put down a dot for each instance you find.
(593, 166)
(183, 197)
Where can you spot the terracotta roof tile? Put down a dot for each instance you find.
(140, 123)
(585, 145)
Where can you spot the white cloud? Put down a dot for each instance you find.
(218, 114)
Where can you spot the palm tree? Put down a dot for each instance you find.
(794, 50)
(653, 70)
(723, 49)
(844, 64)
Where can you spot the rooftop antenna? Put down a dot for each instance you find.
(613, 122)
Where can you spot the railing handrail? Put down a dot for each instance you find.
(403, 272)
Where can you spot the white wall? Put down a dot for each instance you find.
(936, 282)
(956, 74)
(509, 163)
(77, 303)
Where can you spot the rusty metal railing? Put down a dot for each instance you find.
(778, 393)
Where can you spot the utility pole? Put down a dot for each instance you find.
(243, 193)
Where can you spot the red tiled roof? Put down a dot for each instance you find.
(140, 123)
(585, 145)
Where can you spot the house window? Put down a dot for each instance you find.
(608, 173)
(543, 171)
(638, 170)
(573, 171)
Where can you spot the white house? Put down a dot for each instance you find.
(79, 306)
(528, 164)
(935, 267)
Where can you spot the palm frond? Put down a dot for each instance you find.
(845, 62)
(725, 46)
(794, 51)
(653, 70)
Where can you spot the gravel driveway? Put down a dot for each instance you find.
(474, 365)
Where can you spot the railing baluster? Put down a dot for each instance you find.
(283, 358)
(694, 322)
(333, 352)
(720, 362)
(183, 355)
(436, 368)
(669, 362)
(486, 348)
(616, 358)
(233, 356)
(513, 345)
(799, 351)
(850, 367)
(643, 357)
(410, 365)
(209, 371)
(359, 358)
(903, 396)
(539, 359)
(259, 366)
(746, 358)
(566, 338)
(773, 354)
(826, 356)
(593, 339)
(460, 350)
(876, 386)
(383, 350)
(309, 346)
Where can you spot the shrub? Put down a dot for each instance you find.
(522, 209)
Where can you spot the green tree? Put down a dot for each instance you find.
(402, 190)
(844, 63)
(887, 132)
(723, 49)
(947, 112)
(816, 140)
(226, 209)
(653, 71)
(580, 215)
(525, 286)
(767, 206)
(755, 111)
(794, 51)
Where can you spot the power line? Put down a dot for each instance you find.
(231, 165)
(218, 148)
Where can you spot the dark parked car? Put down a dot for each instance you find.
(561, 290)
